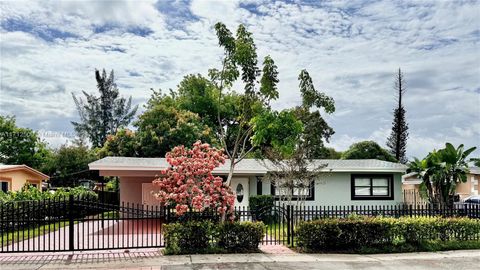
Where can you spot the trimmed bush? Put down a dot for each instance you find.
(188, 238)
(369, 232)
(261, 207)
(206, 237)
(240, 236)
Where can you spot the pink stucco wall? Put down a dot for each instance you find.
(131, 188)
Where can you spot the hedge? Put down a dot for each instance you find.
(206, 237)
(364, 232)
(261, 207)
(29, 204)
(30, 193)
(240, 236)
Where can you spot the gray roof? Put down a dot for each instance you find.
(249, 166)
(474, 170)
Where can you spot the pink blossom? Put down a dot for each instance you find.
(189, 183)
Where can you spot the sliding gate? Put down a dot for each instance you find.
(69, 224)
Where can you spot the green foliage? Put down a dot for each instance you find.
(261, 207)
(198, 95)
(68, 164)
(240, 236)
(269, 80)
(476, 161)
(240, 59)
(311, 97)
(367, 150)
(20, 145)
(160, 129)
(112, 185)
(333, 154)
(357, 233)
(188, 237)
(102, 116)
(277, 130)
(192, 237)
(123, 143)
(315, 133)
(441, 171)
(30, 193)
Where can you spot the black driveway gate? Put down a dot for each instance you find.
(69, 224)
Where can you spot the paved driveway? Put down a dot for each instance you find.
(152, 259)
(112, 234)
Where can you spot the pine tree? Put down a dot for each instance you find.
(397, 141)
(102, 116)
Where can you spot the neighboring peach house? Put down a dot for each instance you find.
(14, 177)
(411, 185)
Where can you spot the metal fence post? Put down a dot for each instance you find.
(71, 222)
(288, 224)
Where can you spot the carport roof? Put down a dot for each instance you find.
(248, 166)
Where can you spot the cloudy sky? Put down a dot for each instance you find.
(352, 49)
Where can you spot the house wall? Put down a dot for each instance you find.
(470, 187)
(335, 189)
(18, 179)
(131, 189)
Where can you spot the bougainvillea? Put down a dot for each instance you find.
(188, 183)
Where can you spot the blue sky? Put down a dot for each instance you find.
(352, 49)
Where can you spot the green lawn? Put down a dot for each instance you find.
(276, 231)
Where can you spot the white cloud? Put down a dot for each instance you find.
(351, 49)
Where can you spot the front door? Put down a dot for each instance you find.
(241, 188)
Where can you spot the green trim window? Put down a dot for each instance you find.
(372, 187)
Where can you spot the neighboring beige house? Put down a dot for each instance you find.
(14, 177)
(345, 182)
(411, 185)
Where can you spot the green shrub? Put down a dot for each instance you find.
(371, 232)
(240, 236)
(189, 237)
(417, 229)
(206, 237)
(261, 207)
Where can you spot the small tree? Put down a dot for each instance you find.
(291, 139)
(240, 60)
(189, 185)
(397, 141)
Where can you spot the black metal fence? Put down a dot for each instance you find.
(70, 224)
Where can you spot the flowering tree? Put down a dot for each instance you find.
(188, 184)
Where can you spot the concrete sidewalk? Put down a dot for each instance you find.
(152, 259)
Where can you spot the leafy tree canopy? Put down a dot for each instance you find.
(367, 150)
(161, 127)
(20, 145)
(68, 164)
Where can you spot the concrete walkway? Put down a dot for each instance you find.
(152, 259)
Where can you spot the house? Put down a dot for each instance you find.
(345, 182)
(411, 185)
(14, 177)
